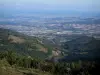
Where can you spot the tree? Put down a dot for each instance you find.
(11, 57)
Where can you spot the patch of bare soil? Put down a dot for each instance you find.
(15, 39)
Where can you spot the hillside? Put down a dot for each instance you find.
(84, 47)
(7, 69)
(21, 55)
(23, 44)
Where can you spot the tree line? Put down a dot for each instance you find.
(57, 68)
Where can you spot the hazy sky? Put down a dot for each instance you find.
(72, 5)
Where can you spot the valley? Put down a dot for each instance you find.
(49, 45)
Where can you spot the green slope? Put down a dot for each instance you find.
(83, 47)
(7, 69)
(23, 44)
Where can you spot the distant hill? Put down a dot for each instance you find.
(23, 44)
(82, 48)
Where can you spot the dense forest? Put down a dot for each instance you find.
(59, 68)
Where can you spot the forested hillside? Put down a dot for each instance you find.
(23, 44)
(82, 48)
(24, 55)
(14, 64)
